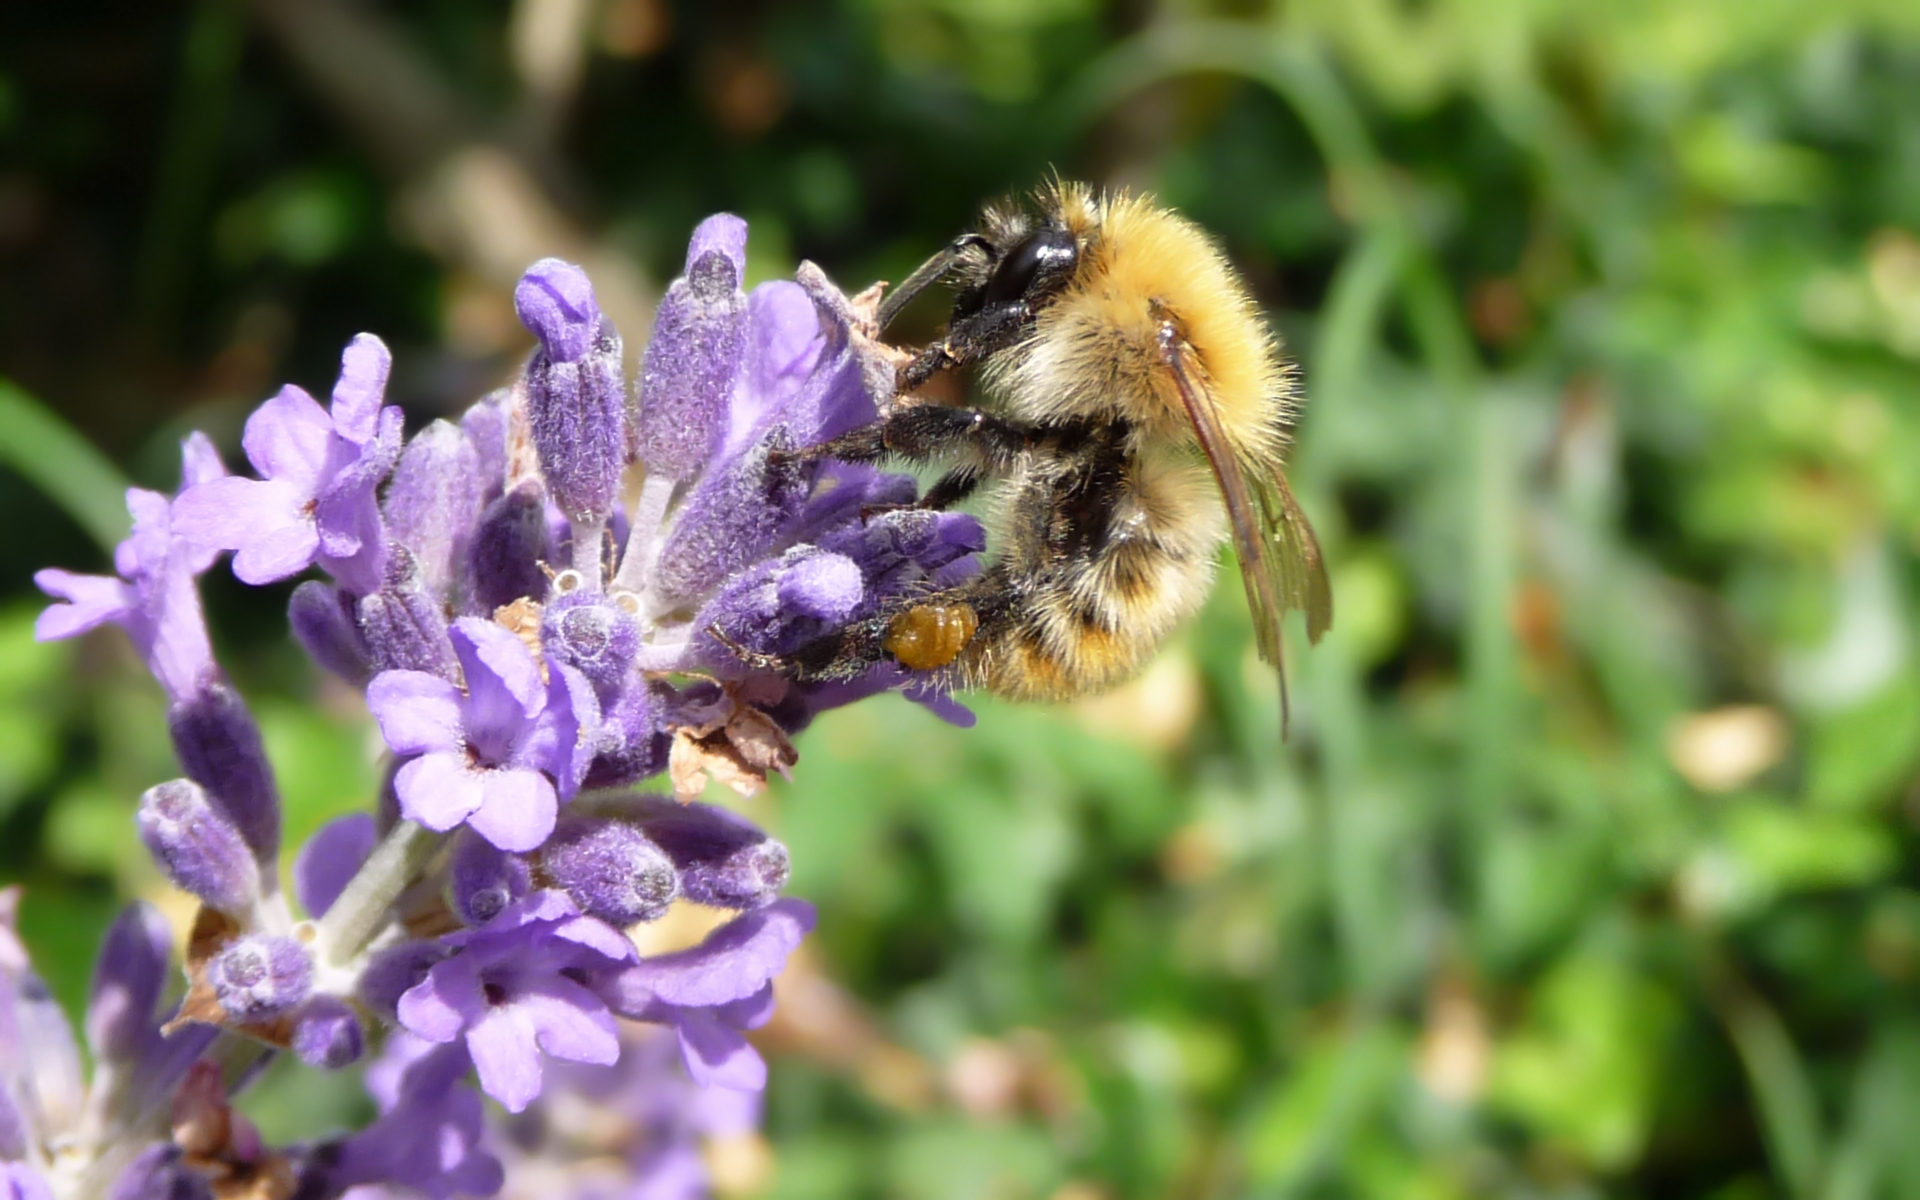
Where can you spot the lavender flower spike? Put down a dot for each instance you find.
(576, 399)
(315, 501)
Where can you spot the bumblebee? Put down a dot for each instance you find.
(1138, 415)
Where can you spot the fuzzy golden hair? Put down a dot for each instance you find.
(1093, 351)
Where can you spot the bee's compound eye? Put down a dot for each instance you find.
(1039, 264)
(930, 636)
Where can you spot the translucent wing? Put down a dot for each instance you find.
(1280, 561)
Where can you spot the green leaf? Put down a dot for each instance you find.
(49, 454)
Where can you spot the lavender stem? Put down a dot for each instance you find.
(362, 908)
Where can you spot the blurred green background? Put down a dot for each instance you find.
(1591, 869)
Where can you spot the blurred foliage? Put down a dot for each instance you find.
(1591, 866)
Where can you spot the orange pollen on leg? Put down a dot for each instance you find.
(930, 636)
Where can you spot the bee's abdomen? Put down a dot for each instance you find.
(1092, 620)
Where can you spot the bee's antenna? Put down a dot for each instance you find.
(925, 276)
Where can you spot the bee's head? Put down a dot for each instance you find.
(1020, 254)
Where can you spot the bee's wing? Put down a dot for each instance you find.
(1280, 560)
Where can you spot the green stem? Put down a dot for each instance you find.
(362, 908)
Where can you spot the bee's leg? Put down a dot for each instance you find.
(950, 489)
(924, 431)
(925, 365)
(924, 633)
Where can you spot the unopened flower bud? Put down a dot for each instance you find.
(576, 389)
(509, 547)
(393, 972)
(404, 624)
(593, 635)
(219, 747)
(733, 517)
(198, 846)
(698, 346)
(432, 501)
(634, 741)
(485, 879)
(611, 870)
(130, 975)
(259, 977)
(327, 1033)
(323, 623)
(724, 859)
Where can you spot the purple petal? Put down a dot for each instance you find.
(517, 811)
(446, 1002)
(735, 961)
(92, 601)
(331, 857)
(504, 688)
(564, 738)
(127, 982)
(783, 344)
(418, 713)
(267, 523)
(506, 1057)
(287, 440)
(361, 389)
(199, 461)
(438, 790)
(571, 1021)
(716, 1055)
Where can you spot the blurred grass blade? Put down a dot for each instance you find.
(48, 453)
(1789, 1112)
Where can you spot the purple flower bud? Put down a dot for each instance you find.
(698, 346)
(258, 977)
(509, 547)
(323, 623)
(198, 846)
(575, 388)
(725, 860)
(433, 501)
(733, 517)
(219, 748)
(486, 425)
(824, 586)
(159, 1174)
(593, 635)
(611, 870)
(128, 980)
(404, 625)
(327, 1033)
(330, 860)
(393, 972)
(634, 742)
(485, 879)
